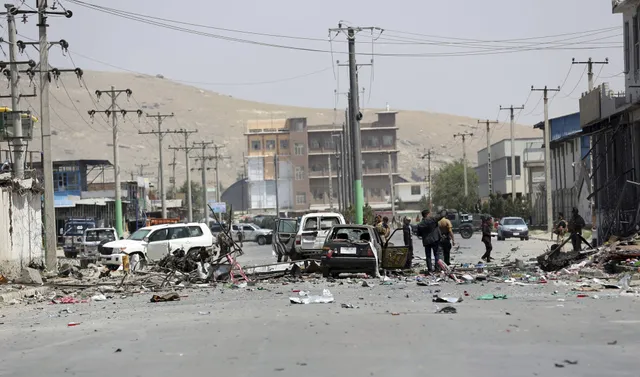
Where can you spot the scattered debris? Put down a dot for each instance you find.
(451, 300)
(30, 276)
(72, 324)
(173, 296)
(204, 313)
(571, 362)
(349, 306)
(492, 297)
(612, 343)
(326, 298)
(447, 310)
(99, 297)
(118, 350)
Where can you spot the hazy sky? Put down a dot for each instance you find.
(465, 85)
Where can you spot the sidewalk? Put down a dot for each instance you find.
(546, 236)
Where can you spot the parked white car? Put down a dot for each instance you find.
(154, 242)
(313, 231)
(251, 232)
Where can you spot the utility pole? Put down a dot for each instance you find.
(217, 157)
(275, 174)
(173, 174)
(112, 112)
(513, 149)
(187, 149)
(141, 169)
(489, 166)
(590, 64)
(547, 154)
(203, 157)
(355, 116)
(339, 170)
(159, 119)
(392, 189)
(330, 183)
(464, 135)
(16, 117)
(428, 157)
(347, 161)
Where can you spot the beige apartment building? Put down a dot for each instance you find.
(304, 153)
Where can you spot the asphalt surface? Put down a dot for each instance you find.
(393, 331)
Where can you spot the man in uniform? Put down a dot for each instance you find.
(576, 224)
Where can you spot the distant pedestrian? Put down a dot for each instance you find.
(430, 233)
(408, 241)
(486, 238)
(576, 224)
(386, 227)
(560, 229)
(447, 240)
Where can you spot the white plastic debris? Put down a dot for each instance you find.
(99, 297)
(624, 282)
(326, 298)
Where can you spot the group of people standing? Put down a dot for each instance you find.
(437, 236)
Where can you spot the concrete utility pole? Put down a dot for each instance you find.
(464, 135)
(44, 72)
(187, 149)
(354, 117)
(489, 166)
(547, 155)
(203, 157)
(16, 118)
(513, 149)
(141, 169)
(112, 112)
(590, 64)
(428, 157)
(217, 157)
(330, 183)
(347, 161)
(160, 118)
(592, 203)
(173, 174)
(392, 189)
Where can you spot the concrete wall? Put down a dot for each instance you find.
(21, 229)
(404, 191)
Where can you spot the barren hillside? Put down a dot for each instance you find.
(219, 118)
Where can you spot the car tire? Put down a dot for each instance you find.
(500, 238)
(70, 254)
(521, 238)
(526, 238)
(466, 233)
(262, 240)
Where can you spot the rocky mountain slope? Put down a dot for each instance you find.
(219, 118)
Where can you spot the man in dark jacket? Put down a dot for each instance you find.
(429, 231)
(576, 223)
(486, 237)
(408, 240)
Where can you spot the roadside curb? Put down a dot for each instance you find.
(17, 295)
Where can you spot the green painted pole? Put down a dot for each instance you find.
(355, 116)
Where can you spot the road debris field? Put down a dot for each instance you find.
(188, 314)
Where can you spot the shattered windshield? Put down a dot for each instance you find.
(350, 234)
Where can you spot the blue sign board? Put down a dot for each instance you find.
(218, 207)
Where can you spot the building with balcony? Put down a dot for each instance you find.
(529, 169)
(308, 162)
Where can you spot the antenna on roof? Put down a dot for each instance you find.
(388, 108)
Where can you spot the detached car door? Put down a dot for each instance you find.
(285, 236)
(158, 244)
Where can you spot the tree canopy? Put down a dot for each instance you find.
(448, 187)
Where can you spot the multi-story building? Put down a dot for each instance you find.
(569, 168)
(308, 164)
(529, 167)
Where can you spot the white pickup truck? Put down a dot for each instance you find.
(154, 242)
(312, 233)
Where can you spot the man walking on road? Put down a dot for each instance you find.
(576, 223)
(430, 232)
(486, 238)
(408, 240)
(447, 241)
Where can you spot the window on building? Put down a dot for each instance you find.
(284, 144)
(301, 198)
(299, 173)
(256, 145)
(270, 145)
(298, 125)
(373, 141)
(636, 47)
(328, 143)
(317, 194)
(387, 140)
(314, 144)
(298, 149)
(376, 192)
(627, 44)
(415, 190)
(509, 165)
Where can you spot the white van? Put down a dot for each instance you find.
(313, 231)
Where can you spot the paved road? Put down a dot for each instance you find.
(221, 331)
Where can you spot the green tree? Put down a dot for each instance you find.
(196, 194)
(368, 215)
(423, 203)
(448, 187)
(400, 205)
